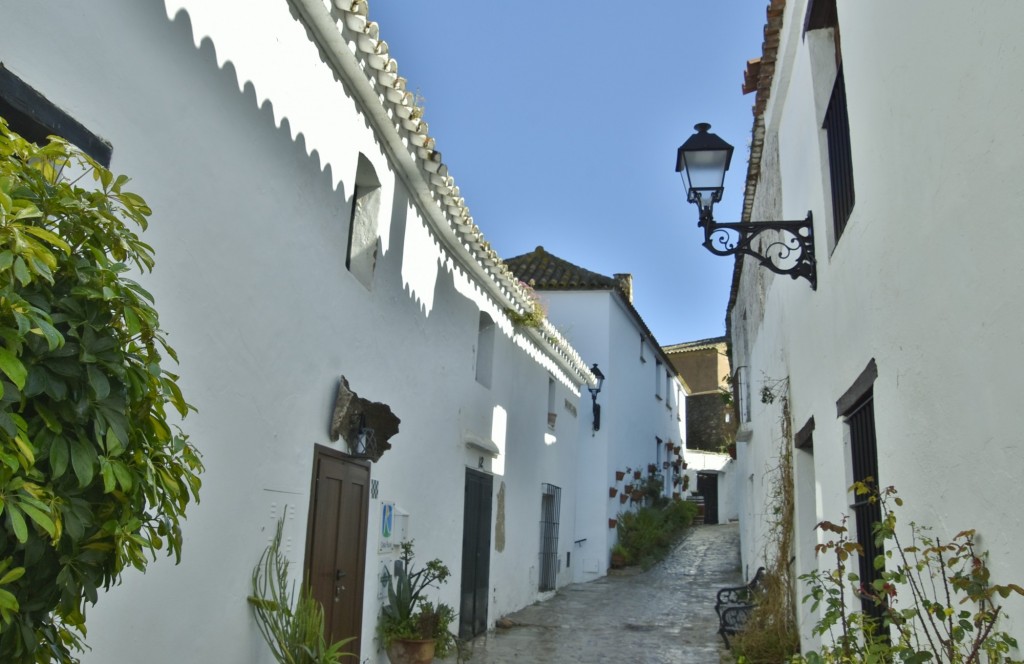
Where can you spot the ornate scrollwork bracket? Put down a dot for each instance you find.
(784, 247)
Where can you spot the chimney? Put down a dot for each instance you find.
(625, 285)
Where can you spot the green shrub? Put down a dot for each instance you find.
(94, 477)
(648, 534)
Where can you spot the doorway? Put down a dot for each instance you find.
(707, 486)
(476, 554)
(336, 542)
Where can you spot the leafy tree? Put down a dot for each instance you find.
(94, 477)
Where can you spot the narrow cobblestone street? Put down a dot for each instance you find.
(662, 616)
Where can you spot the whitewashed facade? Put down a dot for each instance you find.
(260, 132)
(641, 401)
(917, 313)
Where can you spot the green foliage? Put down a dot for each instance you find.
(93, 477)
(647, 535)
(936, 598)
(532, 317)
(292, 627)
(407, 614)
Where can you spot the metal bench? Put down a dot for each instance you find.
(734, 605)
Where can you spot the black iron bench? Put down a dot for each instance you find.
(734, 605)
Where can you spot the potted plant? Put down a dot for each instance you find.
(412, 630)
(612, 491)
(619, 557)
(619, 474)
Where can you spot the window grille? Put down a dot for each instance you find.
(550, 506)
(864, 457)
(840, 161)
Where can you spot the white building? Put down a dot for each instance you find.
(642, 411)
(904, 140)
(306, 229)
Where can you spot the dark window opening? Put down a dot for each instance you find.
(840, 160)
(864, 457)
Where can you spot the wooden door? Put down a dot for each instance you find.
(336, 544)
(476, 555)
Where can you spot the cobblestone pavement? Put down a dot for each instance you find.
(665, 615)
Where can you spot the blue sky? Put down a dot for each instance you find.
(560, 121)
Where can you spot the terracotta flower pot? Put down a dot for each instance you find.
(612, 523)
(619, 475)
(612, 491)
(623, 497)
(636, 474)
(411, 652)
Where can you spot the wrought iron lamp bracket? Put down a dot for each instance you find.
(789, 252)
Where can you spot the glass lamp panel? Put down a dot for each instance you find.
(705, 169)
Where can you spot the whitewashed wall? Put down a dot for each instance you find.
(246, 148)
(727, 471)
(923, 281)
(604, 331)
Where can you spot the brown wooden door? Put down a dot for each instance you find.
(336, 544)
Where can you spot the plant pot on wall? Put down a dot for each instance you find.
(612, 523)
(637, 474)
(612, 491)
(623, 497)
(619, 475)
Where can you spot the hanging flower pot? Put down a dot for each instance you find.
(637, 496)
(623, 497)
(637, 474)
(619, 475)
(612, 523)
(628, 488)
(612, 491)
(651, 468)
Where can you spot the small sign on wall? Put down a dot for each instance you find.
(394, 528)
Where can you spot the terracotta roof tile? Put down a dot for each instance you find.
(543, 271)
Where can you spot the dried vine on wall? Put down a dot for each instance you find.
(771, 634)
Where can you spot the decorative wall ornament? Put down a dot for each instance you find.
(366, 426)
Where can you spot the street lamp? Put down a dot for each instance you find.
(784, 247)
(594, 391)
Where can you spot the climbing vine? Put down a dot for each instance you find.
(771, 634)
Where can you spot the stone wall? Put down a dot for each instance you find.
(706, 425)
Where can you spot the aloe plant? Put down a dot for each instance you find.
(407, 614)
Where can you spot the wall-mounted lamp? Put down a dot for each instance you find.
(702, 162)
(365, 439)
(594, 391)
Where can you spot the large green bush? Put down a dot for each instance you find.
(93, 476)
(648, 534)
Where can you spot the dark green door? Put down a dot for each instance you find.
(476, 555)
